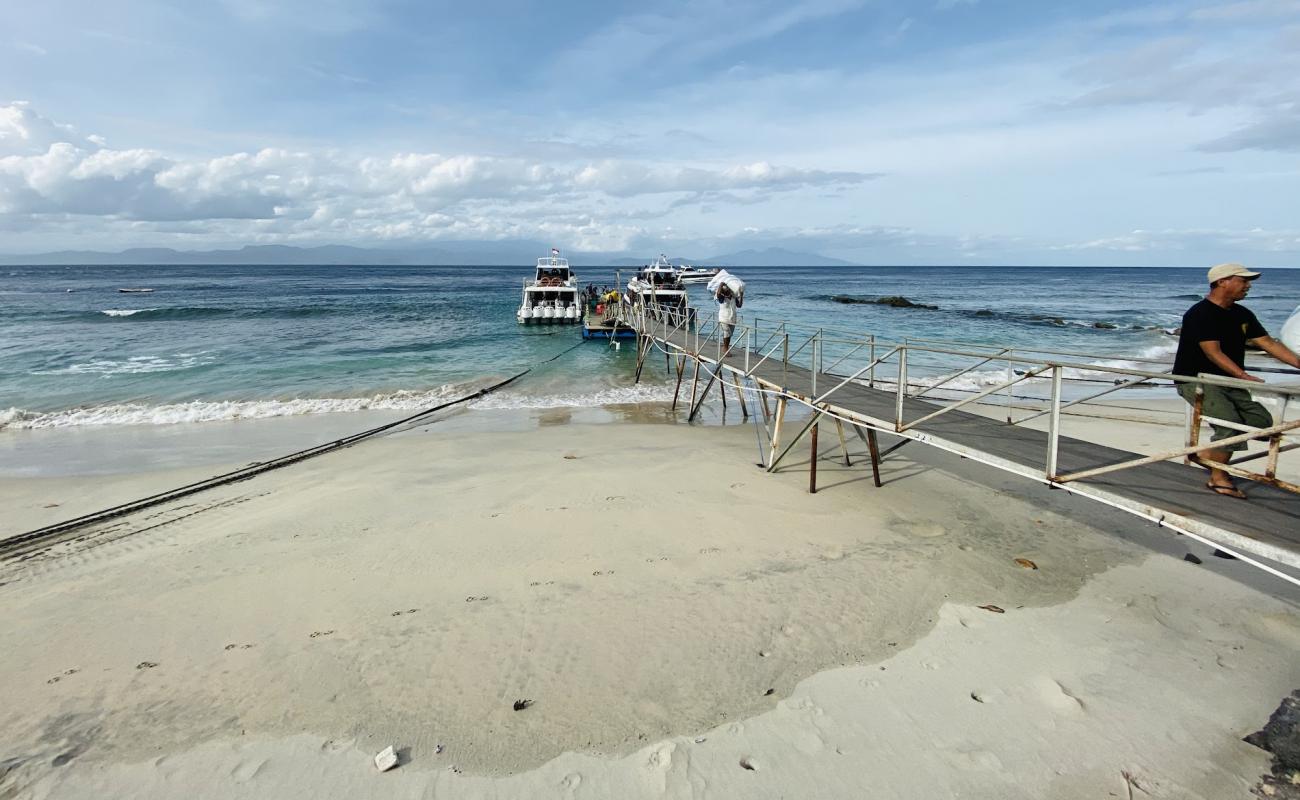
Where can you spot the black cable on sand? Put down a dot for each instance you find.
(13, 546)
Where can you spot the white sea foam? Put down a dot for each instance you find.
(641, 393)
(215, 411)
(125, 312)
(134, 365)
(1155, 358)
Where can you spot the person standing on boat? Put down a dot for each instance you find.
(1213, 341)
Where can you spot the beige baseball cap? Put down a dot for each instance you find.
(1220, 271)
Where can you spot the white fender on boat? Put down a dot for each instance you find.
(1290, 335)
(570, 312)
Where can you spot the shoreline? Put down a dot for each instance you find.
(636, 615)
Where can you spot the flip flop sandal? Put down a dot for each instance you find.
(1227, 490)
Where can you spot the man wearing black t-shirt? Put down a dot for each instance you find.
(1213, 341)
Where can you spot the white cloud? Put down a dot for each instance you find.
(29, 47)
(297, 194)
(24, 131)
(1197, 241)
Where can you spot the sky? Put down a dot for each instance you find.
(877, 131)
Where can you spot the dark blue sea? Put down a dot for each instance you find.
(217, 343)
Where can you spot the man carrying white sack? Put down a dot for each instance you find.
(729, 291)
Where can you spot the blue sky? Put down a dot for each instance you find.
(946, 131)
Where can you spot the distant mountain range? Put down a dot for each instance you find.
(450, 254)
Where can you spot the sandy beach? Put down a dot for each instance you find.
(698, 629)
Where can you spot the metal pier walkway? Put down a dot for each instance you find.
(1167, 492)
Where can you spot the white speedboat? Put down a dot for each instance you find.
(688, 274)
(552, 294)
(657, 290)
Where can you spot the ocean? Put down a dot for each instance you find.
(217, 343)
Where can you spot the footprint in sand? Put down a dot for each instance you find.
(662, 758)
(1053, 694)
(318, 634)
(63, 675)
(478, 599)
(708, 551)
(240, 646)
(603, 572)
(926, 530)
(400, 612)
(653, 560)
(146, 665)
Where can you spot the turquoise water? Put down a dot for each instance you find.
(215, 343)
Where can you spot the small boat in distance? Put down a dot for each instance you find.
(552, 294)
(133, 291)
(688, 274)
(658, 291)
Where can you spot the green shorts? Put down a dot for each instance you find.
(1231, 404)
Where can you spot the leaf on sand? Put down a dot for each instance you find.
(1026, 563)
(993, 608)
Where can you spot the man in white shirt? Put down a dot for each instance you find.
(726, 313)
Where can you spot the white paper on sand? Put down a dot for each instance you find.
(387, 759)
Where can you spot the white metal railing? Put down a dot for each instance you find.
(862, 358)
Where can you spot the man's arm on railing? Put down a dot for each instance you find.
(1276, 349)
(1215, 354)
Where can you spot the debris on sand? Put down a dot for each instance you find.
(387, 759)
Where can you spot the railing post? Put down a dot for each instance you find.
(1054, 425)
(785, 357)
(821, 350)
(1194, 425)
(815, 359)
(749, 345)
(871, 359)
(1011, 407)
(900, 388)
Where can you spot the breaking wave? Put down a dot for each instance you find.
(641, 393)
(225, 410)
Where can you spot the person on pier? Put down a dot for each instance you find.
(1213, 341)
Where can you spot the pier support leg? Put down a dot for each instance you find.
(812, 462)
(776, 430)
(875, 456)
(870, 440)
(642, 348)
(844, 446)
(695, 380)
(744, 409)
(695, 407)
(681, 368)
(762, 395)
